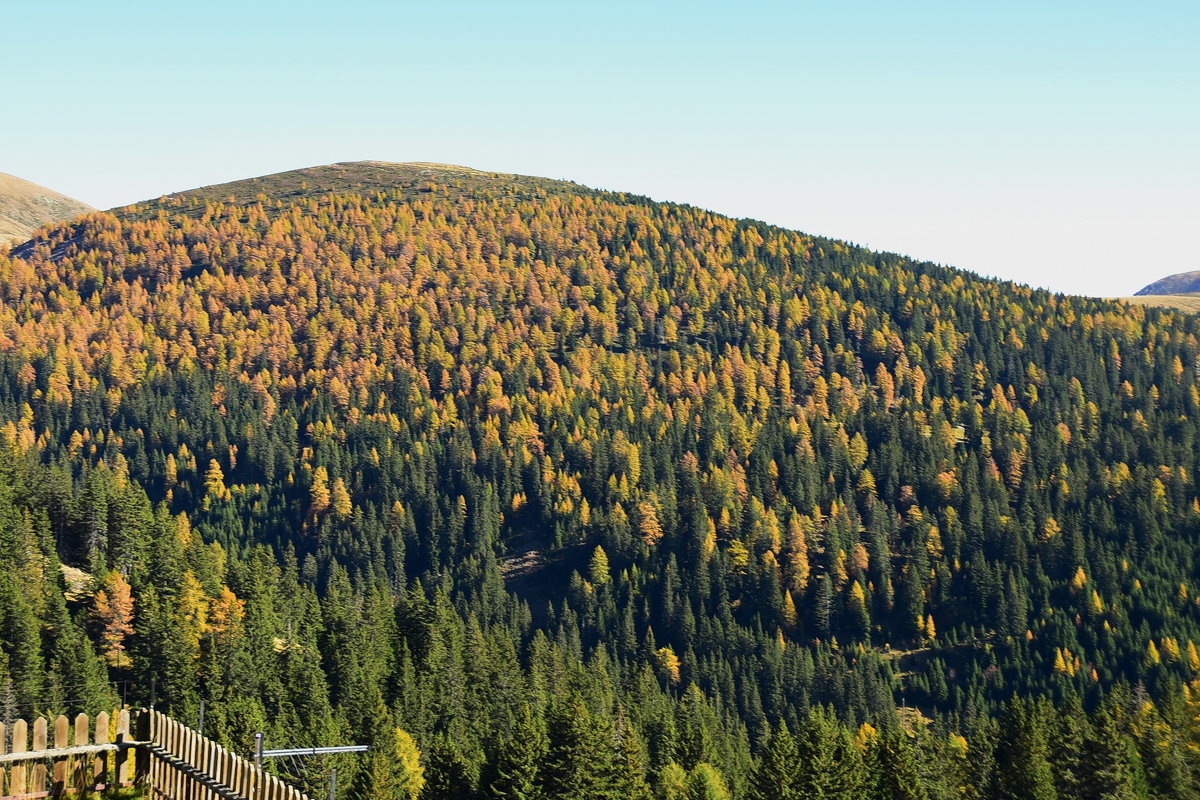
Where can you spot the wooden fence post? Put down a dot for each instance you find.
(228, 769)
(100, 762)
(185, 753)
(62, 738)
(37, 782)
(180, 751)
(81, 768)
(239, 775)
(141, 767)
(210, 765)
(3, 750)
(121, 762)
(222, 773)
(20, 744)
(193, 758)
(171, 743)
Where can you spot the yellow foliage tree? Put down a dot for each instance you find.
(319, 494)
(1152, 657)
(342, 506)
(214, 482)
(1080, 579)
(789, 610)
(797, 558)
(668, 663)
(410, 773)
(226, 613)
(192, 611)
(598, 570)
(648, 525)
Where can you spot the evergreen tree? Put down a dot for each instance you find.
(829, 763)
(447, 771)
(777, 774)
(1070, 747)
(672, 783)
(899, 777)
(1111, 763)
(577, 759)
(705, 783)
(1022, 755)
(516, 760)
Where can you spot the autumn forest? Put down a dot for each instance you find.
(544, 492)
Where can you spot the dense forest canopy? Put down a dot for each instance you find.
(589, 494)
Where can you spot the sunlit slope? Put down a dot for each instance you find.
(403, 179)
(636, 426)
(25, 206)
(1177, 284)
(1183, 302)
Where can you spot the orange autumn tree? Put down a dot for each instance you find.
(113, 609)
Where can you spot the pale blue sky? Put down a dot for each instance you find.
(1055, 143)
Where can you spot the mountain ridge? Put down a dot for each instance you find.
(408, 178)
(25, 206)
(1179, 283)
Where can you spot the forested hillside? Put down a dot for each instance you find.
(596, 497)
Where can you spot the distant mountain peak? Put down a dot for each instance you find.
(25, 207)
(1179, 283)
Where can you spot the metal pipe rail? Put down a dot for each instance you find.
(315, 751)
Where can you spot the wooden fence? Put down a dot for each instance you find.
(65, 756)
(180, 764)
(171, 761)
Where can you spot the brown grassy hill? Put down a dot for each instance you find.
(410, 180)
(1183, 302)
(25, 207)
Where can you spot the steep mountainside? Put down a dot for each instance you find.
(25, 206)
(592, 494)
(1179, 283)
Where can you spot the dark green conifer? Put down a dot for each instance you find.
(777, 774)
